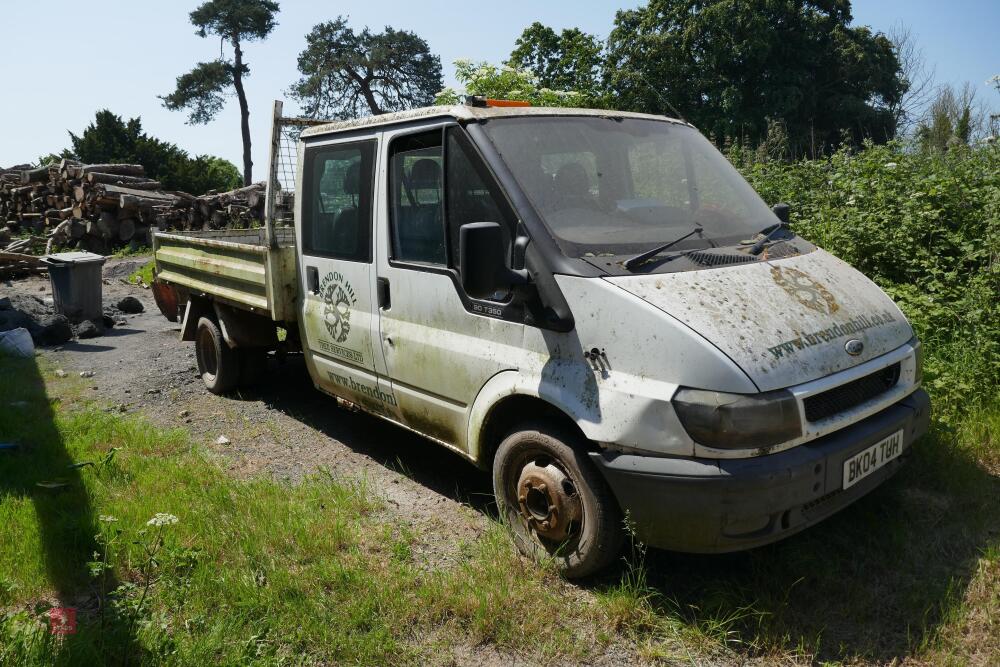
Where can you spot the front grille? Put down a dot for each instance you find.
(846, 396)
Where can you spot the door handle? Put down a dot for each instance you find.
(384, 298)
(312, 279)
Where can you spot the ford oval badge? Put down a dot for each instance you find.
(854, 347)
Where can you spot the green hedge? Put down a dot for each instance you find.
(926, 228)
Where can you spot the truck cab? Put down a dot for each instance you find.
(596, 307)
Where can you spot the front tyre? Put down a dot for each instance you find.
(554, 500)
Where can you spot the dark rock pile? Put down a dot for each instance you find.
(33, 314)
(48, 328)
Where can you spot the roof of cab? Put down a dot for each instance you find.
(463, 112)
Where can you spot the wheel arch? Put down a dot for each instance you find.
(505, 400)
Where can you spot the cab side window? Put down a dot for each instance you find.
(337, 201)
(472, 196)
(416, 199)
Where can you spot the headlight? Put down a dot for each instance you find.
(918, 371)
(738, 421)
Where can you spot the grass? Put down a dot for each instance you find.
(256, 571)
(144, 275)
(911, 573)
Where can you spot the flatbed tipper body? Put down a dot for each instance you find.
(235, 266)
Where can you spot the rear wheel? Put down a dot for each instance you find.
(554, 500)
(218, 363)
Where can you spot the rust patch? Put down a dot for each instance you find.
(805, 290)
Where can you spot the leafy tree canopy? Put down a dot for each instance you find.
(505, 83)
(111, 139)
(731, 65)
(346, 74)
(203, 90)
(571, 60)
(236, 20)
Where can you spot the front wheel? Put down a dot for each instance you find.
(554, 500)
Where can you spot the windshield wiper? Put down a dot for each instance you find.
(642, 258)
(758, 247)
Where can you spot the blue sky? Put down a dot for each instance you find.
(62, 60)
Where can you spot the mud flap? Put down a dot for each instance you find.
(166, 299)
(192, 312)
(241, 328)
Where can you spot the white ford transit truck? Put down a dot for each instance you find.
(592, 304)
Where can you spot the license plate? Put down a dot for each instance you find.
(871, 459)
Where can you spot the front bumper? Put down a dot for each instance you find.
(719, 505)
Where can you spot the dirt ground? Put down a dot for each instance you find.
(285, 429)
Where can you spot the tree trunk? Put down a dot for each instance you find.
(137, 182)
(37, 175)
(365, 85)
(126, 228)
(120, 169)
(244, 111)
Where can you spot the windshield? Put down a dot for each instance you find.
(615, 186)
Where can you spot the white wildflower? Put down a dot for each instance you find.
(162, 519)
(106, 518)
(891, 165)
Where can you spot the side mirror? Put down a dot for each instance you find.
(483, 262)
(781, 211)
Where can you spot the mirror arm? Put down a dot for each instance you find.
(518, 274)
(520, 248)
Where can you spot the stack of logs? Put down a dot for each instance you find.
(101, 207)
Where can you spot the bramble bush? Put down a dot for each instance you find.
(924, 226)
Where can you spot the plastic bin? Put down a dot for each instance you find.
(76, 284)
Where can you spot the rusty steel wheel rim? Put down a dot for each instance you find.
(547, 501)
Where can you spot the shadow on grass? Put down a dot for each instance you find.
(43, 471)
(875, 581)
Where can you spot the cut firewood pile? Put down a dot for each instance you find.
(102, 207)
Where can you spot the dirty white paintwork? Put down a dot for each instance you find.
(429, 364)
(784, 321)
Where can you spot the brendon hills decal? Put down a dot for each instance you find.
(338, 297)
(806, 291)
